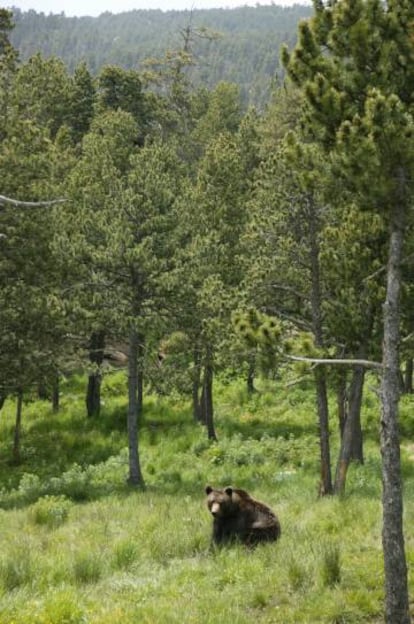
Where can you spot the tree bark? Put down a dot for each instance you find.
(42, 391)
(325, 486)
(341, 400)
(408, 376)
(96, 355)
(197, 405)
(355, 402)
(351, 439)
(251, 373)
(396, 589)
(135, 477)
(208, 397)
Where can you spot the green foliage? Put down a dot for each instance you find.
(87, 568)
(16, 567)
(51, 511)
(126, 552)
(244, 50)
(331, 566)
(61, 608)
(406, 418)
(182, 211)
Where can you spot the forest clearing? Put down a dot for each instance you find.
(79, 546)
(243, 251)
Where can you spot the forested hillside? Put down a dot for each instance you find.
(245, 47)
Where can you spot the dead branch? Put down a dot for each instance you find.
(350, 362)
(16, 203)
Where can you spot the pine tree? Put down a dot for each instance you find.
(354, 60)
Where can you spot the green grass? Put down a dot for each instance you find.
(78, 546)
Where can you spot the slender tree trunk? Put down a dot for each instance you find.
(396, 589)
(140, 376)
(351, 439)
(42, 391)
(251, 373)
(408, 376)
(18, 428)
(96, 355)
(208, 397)
(3, 398)
(325, 486)
(355, 402)
(197, 405)
(203, 404)
(135, 476)
(341, 400)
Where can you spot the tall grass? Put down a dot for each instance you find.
(77, 546)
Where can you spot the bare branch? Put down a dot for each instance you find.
(351, 362)
(16, 203)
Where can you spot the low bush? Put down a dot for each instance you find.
(51, 511)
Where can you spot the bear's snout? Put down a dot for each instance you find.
(215, 509)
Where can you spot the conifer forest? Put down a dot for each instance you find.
(207, 277)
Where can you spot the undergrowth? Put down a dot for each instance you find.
(78, 546)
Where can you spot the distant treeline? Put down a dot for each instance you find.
(236, 45)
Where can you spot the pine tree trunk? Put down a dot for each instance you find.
(208, 398)
(396, 590)
(355, 402)
(42, 392)
(408, 376)
(341, 400)
(202, 405)
(325, 486)
(96, 355)
(135, 476)
(251, 373)
(18, 428)
(197, 405)
(351, 439)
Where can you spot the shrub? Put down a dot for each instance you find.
(125, 553)
(30, 487)
(75, 484)
(87, 568)
(51, 511)
(16, 568)
(62, 608)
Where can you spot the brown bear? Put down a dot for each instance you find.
(238, 517)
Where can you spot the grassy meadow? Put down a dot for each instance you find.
(77, 546)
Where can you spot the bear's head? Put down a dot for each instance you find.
(221, 503)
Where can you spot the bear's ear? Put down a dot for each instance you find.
(229, 491)
(208, 489)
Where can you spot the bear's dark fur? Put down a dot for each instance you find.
(238, 517)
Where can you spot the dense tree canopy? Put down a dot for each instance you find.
(242, 47)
